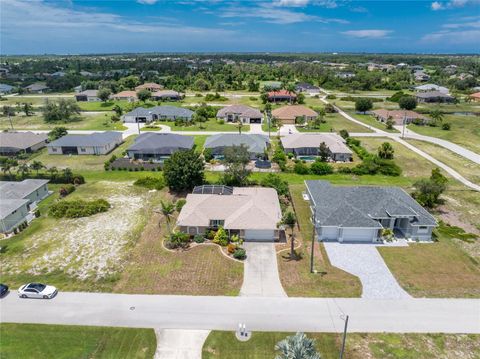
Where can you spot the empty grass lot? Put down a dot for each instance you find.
(295, 274)
(202, 270)
(335, 123)
(87, 121)
(210, 125)
(440, 269)
(465, 131)
(358, 346)
(65, 342)
(371, 121)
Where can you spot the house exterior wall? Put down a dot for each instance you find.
(313, 151)
(220, 150)
(14, 219)
(86, 150)
(37, 146)
(38, 194)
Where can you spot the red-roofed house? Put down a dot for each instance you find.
(281, 95)
(475, 96)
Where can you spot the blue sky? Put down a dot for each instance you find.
(102, 26)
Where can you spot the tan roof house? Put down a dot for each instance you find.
(475, 96)
(253, 213)
(130, 96)
(288, 114)
(150, 86)
(234, 113)
(308, 144)
(398, 116)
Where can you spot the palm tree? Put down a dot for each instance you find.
(23, 170)
(168, 208)
(240, 125)
(37, 166)
(386, 151)
(297, 346)
(53, 172)
(290, 221)
(437, 116)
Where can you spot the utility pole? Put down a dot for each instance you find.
(344, 337)
(314, 232)
(404, 124)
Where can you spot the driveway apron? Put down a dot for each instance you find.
(365, 262)
(260, 272)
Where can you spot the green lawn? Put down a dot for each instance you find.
(358, 346)
(86, 121)
(65, 342)
(211, 125)
(371, 121)
(440, 269)
(335, 123)
(465, 131)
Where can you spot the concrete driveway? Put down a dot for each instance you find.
(365, 262)
(288, 129)
(260, 272)
(180, 343)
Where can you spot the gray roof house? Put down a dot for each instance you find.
(157, 147)
(157, 113)
(12, 143)
(18, 201)
(37, 88)
(256, 144)
(434, 96)
(359, 213)
(308, 144)
(308, 88)
(97, 143)
(431, 87)
(4, 88)
(234, 113)
(87, 96)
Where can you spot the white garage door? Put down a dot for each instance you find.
(358, 234)
(329, 233)
(260, 235)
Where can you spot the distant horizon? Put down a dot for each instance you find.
(82, 27)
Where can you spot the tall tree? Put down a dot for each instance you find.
(167, 209)
(436, 116)
(363, 104)
(57, 132)
(236, 159)
(104, 94)
(23, 170)
(386, 151)
(37, 166)
(323, 152)
(184, 170)
(144, 95)
(26, 107)
(407, 103)
(290, 221)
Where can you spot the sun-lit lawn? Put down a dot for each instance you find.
(371, 121)
(68, 341)
(80, 163)
(295, 274)
(358, 345)
(464, 131)
(440, 269)
(210, 125)
(87, 121)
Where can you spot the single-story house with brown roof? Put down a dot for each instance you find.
(288, 114)
(87, 96)
(234, 113)
(12, 143)
(253, 213)
(129, 96)
(475, 96)
(308, 144)
(163, 95)
(281, 95)
(434, 96)
(398, 116)
(150, 86)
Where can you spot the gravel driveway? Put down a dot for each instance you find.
(364, 261)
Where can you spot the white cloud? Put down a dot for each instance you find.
(453, 37)
(436, 6)
(452, 4)
(147, 2)
(303, 3)
(368, 34)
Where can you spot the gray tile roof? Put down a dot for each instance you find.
(242, 110)
(161, 143)
(255, 143)
(433, 94)
(167, 111)
(19, 190)
(7, 206)
(355, 206)
(5, 88)
(94, 139)
(37, 87)
(20, 140)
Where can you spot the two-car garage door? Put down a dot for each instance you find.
(349, 234)
(259, 235)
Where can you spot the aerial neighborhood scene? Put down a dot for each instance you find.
(290, 179)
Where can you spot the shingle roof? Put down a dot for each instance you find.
(7, 206)
(242, 110)
(433, 94)
(91, 93)
(126, 94)
(165, 93)
(334, 142)
(281, 93)
(306, 86)
(356, 206)
(246, 208)
(94, 139)
(19, 190)
(255, 143)
(5, 88)
(167, 111)
(161, 143)
(398, 114)
(20, 140)
(431, 87)
(293, 111)
(149, 85)
(37, 87)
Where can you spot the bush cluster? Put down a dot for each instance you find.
(178, 240)
(78, 208)
(150, 183)
(66, 190)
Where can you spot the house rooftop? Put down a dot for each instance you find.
(161, 143)
(92, 93)
(167, 111)
(255, 143)
(293, 111)
(242, 110)
(19, 190)
(359, 206)
(334, 142)
(93, 139)
(8, 206)
(281, 93)
(245, 208)
(21, 140)
(433, 94)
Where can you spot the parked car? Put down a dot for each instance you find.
(37, 290)
(3, 289)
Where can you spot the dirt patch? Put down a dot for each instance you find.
(454, 219)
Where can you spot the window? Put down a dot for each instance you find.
(216, 222)
(54, 149)
(82, 149)
(423, 227)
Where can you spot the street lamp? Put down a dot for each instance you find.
(314, 234)
(344, 336)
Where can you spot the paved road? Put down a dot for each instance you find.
(260, 272)
(365, 262)
(267, 314)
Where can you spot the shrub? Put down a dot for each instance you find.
(331, 97)
(207, 154)
(221, 237)
(37, 213)
(66, 190)
(178, 240)
(446, 126)
(150, 183)
(321, 168)
(301, 168)
(275, 181)
(199, 238)
(240, 254)
(344, 134)
(211, 234)
(235, 239)
(78, 208)
(179, 204)
(231, 248)
(221, 122)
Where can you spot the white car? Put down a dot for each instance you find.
(37, 290)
